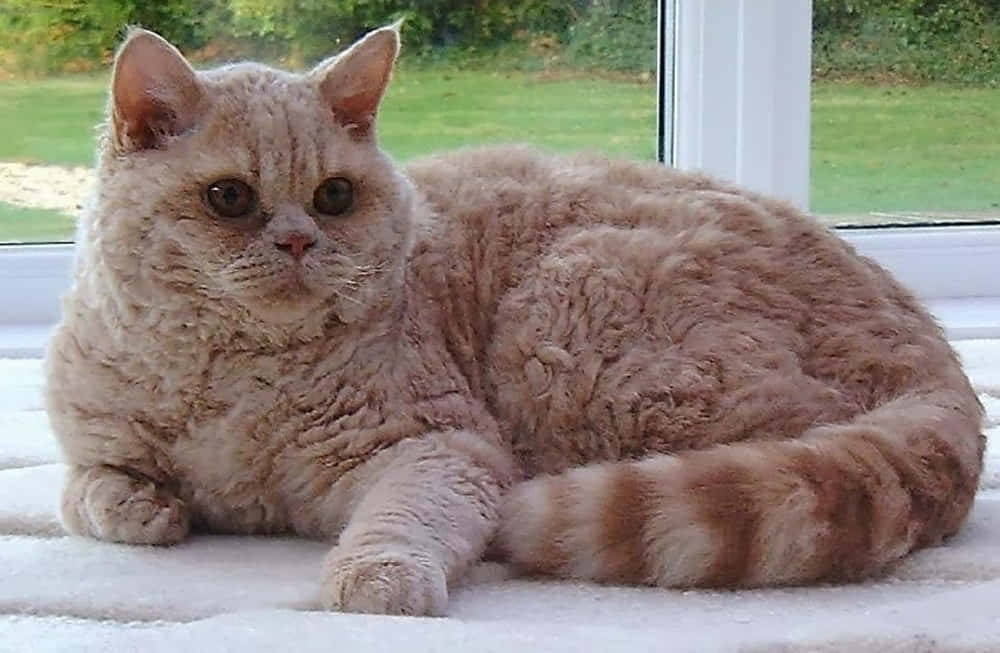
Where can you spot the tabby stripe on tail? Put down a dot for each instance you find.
(840, 503)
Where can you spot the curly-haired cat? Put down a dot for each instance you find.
(613, 371)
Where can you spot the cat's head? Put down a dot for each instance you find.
(249, 190)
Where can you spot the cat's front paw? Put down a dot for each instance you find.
(111, 505)
(384, 582)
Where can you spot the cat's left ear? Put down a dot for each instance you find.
(353, 82)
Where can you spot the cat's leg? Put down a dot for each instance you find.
(118, 478)
(424, 515)
(111, 504)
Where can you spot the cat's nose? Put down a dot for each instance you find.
(295, 243)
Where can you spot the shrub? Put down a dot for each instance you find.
(314, 28)
(80, 34)
(618, 35)
(952, 41)
(906, 40)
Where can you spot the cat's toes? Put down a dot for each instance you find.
(383, 582)
(118, 508)
(142, 517)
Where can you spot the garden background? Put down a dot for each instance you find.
(906, 105)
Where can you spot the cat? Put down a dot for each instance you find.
(590, 368)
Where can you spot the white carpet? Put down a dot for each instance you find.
(216, 593)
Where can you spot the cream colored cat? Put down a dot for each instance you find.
(622, 372)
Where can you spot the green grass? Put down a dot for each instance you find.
(51, 121)
(20, 224)
(432, 110)
(903, 148)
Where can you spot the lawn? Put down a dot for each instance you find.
(912, 148)
(50, 121)
(53, 121)
(905, 148)
(23, 225)
(426, 111)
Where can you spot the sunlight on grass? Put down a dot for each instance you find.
(23, 225)
(52, 120)
(427, 111)
(905, 148)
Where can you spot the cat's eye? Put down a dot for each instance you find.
(334, 196)
(230, 198)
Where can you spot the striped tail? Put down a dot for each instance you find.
(839, 503)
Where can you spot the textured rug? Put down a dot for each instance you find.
(215, 593)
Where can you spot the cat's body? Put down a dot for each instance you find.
(390, 375)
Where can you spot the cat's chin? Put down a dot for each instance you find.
(307, 310)
(288, 307)
(280, 304)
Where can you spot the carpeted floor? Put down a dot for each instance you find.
(215, 593)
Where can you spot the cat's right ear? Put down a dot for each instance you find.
(155, 94)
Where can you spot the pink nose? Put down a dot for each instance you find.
(295, 243)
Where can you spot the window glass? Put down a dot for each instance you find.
(905, 112)
(563, 74)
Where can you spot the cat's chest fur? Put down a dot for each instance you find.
(263, 433)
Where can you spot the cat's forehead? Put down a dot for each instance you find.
(268, 111)
(267, 126)
(252, 81)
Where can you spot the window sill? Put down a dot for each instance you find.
(23, 340)
(969, 318)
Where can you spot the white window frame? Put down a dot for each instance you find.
(735, 102)
(734, 80)
(741, 74)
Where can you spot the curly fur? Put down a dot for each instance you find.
(621, 372)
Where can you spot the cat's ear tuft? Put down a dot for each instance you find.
(353, 82)
(155, 94)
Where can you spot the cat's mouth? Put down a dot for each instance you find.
(287, 302)
(291, 291)
(293, 284)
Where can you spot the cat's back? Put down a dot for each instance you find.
(511, 205)
(520, 189)
(598, 291)
(461, 184)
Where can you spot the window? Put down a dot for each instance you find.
(887, 146)
(563, 74)
(734, 97)
(904, 108)
(741, 110)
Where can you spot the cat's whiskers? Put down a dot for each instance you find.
(346, 297)
(242, 270)
(370, 270)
